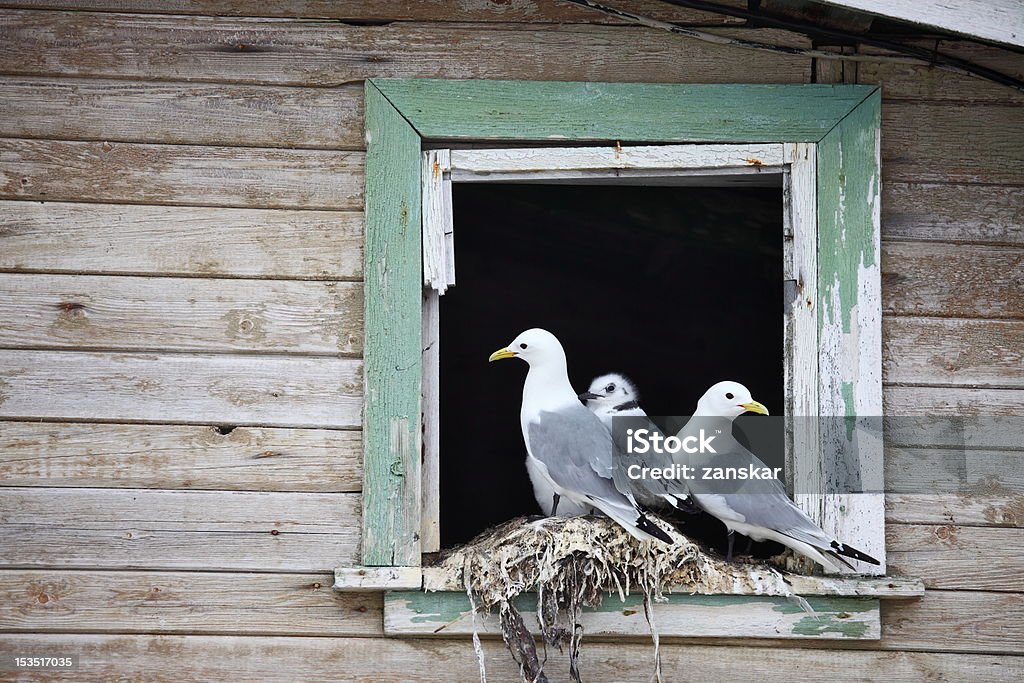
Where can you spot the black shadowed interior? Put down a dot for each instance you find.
(676, 287)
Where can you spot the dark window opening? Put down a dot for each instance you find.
(676, 287)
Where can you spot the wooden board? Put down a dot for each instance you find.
(972, 432)
(48, 601)
(180, 174)
(388, 10)
(953, 213)
(952, 401)
(1004, 509)
(957, 470)
(469, 165)
(182, 113)
(393, 298)
(546, 111)
(312, 52)
(849, 310)
(186, 314)
(964, 621)
(738, 579)
(137, 528)
(996, 20)
(179, 457)
(916, 144)
(954, 557)
(180, 240)
(377, 578)
(920, 83)
(181, 388)
(932, 279)
(273, 659)
(951, 351)
(415, 613)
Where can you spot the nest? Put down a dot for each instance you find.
(572, 563)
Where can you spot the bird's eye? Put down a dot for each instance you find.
(610, 388)
(522, 346)
(729, 396)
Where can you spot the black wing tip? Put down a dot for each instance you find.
(847, 551)
(684, 504)
(647, 526)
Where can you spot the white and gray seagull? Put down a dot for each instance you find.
(614, 395)
(757, 508)
(568, 448)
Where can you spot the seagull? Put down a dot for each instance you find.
(614, 395)
(759, 509)
(568, 447)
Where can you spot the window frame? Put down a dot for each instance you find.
(830, 134)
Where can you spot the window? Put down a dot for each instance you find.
(675, 284)
(821, 142)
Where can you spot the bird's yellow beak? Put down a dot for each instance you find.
(753, 407)
(500, 354)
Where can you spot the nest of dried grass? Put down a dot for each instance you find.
(571, 564)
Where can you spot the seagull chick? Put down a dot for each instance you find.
(568, 447)
(614, 395)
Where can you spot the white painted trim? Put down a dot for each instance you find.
(430, 470)
(753, 579)
(438, 234)
(804, 463)
(857, 519)
(537, 163)
(1001, 21)
(377, 578)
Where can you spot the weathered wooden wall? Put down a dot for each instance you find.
(181, 328)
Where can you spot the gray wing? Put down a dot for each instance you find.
(578, 452)
(763, 503)
(645, 487)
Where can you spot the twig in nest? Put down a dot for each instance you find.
(519, 641)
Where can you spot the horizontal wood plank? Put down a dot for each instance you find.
(956, 557)
(180, 240)
(388, 10)
(189, 314)
(957, 621)
(378, 578)
(181, 388)
(952, 351)
(47, 601)
(271, 659)
(917, 143)
(952, 280)
(444, 614)
(1000, 21)
(311, 52)
(951, 401)
(180, 174)
(993, 508)
(217, 530)
(957, 471)
(182, 113)
(989, 214)
(922, 82)
(179, 457)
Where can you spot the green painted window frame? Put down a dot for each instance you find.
(843, 121)
(843, 314)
